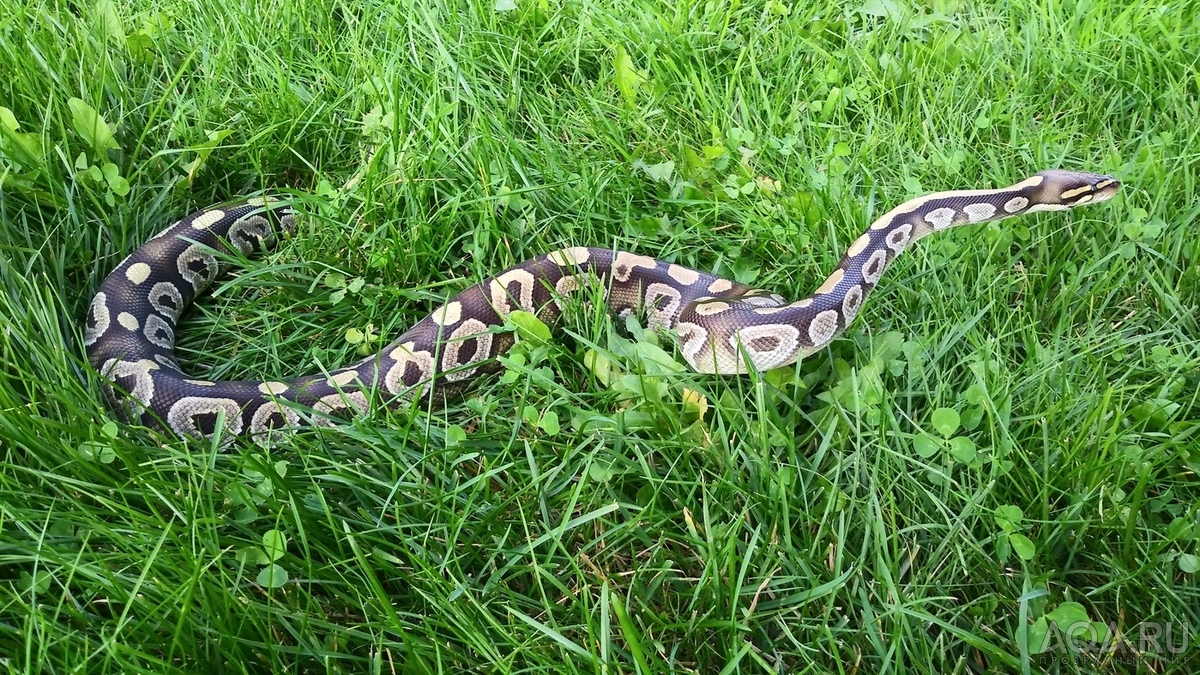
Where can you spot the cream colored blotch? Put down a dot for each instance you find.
(823, 327)
(941, 218)
(272, 388)
(832, 282)
(138, 272)
(499, 291)
(859, 244)
(720, 286)
(448, 314)
(683, 275)
(575, 255)
(207, 219)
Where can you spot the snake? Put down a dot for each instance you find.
(719, 326)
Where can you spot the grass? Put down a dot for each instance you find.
(1006, 440)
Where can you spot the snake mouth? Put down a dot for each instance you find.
(1105, 189)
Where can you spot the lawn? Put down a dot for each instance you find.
(1004, 444)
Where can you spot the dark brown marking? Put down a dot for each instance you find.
(764, 343)
(411, 375)
(206, 423)
(275, 420)
(875, 264)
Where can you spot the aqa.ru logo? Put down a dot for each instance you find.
(1161, 640)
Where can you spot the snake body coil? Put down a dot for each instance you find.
(721, 326)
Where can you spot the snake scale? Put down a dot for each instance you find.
(720, 326)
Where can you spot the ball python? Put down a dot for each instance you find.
(720, 326)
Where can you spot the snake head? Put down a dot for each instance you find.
(1073, 188)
